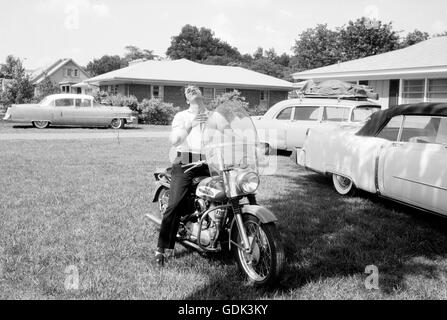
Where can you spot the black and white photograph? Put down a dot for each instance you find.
(223, 155)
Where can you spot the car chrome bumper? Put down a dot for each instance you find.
(132, 120)
(301, 157)
(7, 116)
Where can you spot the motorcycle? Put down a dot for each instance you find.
(222, 213)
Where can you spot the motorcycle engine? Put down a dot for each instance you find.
(210, 226)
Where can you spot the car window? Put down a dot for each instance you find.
(306, 113)
(85, 103)
(362, 113)
(64, 103)
(335, 114)
(286, 114)
(424, 129)
(391, 130)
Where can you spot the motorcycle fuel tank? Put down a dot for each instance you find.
(211, 189)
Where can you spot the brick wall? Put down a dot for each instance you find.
(141, 91)
(175, 96)
(277, 96)
(251, 96)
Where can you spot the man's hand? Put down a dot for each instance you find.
(199, 119)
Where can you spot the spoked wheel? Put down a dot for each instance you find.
(163, 201)
(264, 263)
(117, 124)
(343, 185)
(41, 124)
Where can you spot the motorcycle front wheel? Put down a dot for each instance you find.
(264, 264)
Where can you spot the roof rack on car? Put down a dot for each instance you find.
(338, 97)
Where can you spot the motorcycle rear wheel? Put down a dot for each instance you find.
(264, 265)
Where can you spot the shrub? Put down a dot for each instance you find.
(118, 100)
(234, 96)
(155, 111)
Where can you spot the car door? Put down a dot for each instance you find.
(64, 111)
(86, 114)
(303, 119)
(414, 166)
(276, 133)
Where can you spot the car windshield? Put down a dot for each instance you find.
(362, 113)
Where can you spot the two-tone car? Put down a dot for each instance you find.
(400, 153)
(284, 126)
(70, 110)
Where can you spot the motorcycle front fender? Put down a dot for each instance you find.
(159, 185)
(262, 213)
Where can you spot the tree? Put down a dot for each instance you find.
(45, 88)
(414, 37)
(135, 53)
(316, 47)
(19, 89)
(104, 64)
(198, 44)
(360, 39)
(12, 68)
(442, 34)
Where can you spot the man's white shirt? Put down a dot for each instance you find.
(193, 142)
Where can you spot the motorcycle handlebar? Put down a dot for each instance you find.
(193, 165)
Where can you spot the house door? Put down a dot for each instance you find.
(394, 93)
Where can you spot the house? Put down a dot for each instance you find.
(166, 79)
(64, 73)
(414, 74)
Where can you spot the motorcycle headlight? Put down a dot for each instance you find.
(248, 182)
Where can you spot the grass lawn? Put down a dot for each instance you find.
(82, 204)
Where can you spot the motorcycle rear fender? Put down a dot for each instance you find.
(159, 185)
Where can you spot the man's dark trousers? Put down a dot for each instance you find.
(178, 193)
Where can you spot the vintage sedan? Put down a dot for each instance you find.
(70, 110)
(284, 126)
(400, 153)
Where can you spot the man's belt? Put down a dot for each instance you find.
(188, 157)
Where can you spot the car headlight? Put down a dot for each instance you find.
(248, 182)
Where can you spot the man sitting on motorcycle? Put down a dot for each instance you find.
(186, 137)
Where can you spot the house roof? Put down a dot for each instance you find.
(39, 74)
(181, 72)
(422, 58)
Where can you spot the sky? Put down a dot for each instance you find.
(42, 31)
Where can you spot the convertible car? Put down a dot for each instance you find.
(69, 110)
(400, 153)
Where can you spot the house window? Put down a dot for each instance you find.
(229, 90)
(413, 91)
(113, 89)
(65, 89)
(264, 95)
(157, 92)
(76, 73)
(437, 90)
(69, 72)
(219, 92)
(208, 93)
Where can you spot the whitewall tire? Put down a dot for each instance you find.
(41, 124)
(117, 124)
(343, 185)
